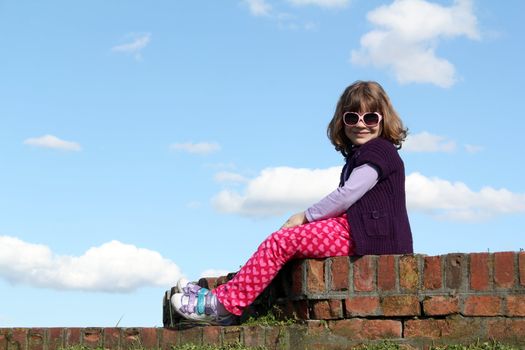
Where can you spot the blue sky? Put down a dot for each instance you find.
(142, 141)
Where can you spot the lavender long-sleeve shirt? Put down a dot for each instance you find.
(361, 180)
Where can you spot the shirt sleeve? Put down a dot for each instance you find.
(360, 181)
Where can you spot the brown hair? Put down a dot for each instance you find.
(365, 96)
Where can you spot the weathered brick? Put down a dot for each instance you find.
(316, 327)
(506, 329)
(440, 305)
(191, 336)
(17, 339)
(386, 272)
(326, 309)
(168, 338)
(432, 277)
(295, 309)
(408, 272)
(231, 335)
(315, 275)
(364, 329)
(149, 338)
(339, 270)
(400, 305)
(480, 265)
(253, 336)
(56, 339)
(515, 305)
(72, 336)
(457, 328)
(362, 306)
(211, 335)
(482, 305)
(36, 339)
(111, 338)
(521, 265)
(92, 337)
(272, 338)
(296, 268)
(3, 339)
(454, 265)
(131, 338)
(364, 274)
(504, 269)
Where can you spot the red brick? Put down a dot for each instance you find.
(36, 338)
(316, 327)
(92, 337)
(506, 329)
(432, 277)
(231, 335)
(211, 335)
(463, 329)
(504, 269)
(362, 306)
(315, 275)
(253, 336)
(72, 336)
(482, 305)
(112, 338)
(56, 339)
(149, 338)
(440, 305)
(326, 309)
(364, 329)
(191, 335)
(296, 269)
(18, 339)
(339, 270)
(521, 263)
(131, 338)
(515, 305)
(168, 338)
(386, 272)
(454, 266)
(408, 272)
(3, 339)
(364, 274)
(401, 305)
(480, 271)
(296, 309)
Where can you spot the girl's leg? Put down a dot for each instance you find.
(320, 239)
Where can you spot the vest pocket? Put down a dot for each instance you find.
(377, 223)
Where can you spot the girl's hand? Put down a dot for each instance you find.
(295, 220)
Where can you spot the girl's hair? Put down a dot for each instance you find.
(365, 96)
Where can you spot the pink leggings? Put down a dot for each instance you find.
(319, 239)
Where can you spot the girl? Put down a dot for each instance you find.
(366, 214)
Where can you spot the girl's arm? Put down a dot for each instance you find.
(361, 180)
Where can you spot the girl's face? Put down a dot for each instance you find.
(360, 133)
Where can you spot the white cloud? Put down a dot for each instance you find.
(111, 267)
(456, 201)
(135, 47)
(227, 176)
(407, 34)
(50, 141)
(196, 148)
(473, 148)
(321, 3)
(214, 273)
(259, 7)
(426, 142)
(276, 191)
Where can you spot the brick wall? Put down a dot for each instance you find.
(414, 300)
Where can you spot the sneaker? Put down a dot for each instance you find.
(199, 304)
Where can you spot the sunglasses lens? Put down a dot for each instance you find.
(371, 119)
(350, 118)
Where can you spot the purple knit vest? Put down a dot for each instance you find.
(379, 220)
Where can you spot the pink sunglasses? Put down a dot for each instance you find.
(368, 118)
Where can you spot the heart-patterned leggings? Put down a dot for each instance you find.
(318, 239)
